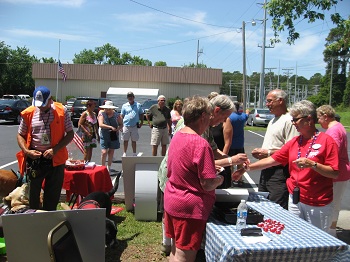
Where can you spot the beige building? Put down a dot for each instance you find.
(94, 80)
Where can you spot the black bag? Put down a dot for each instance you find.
(113, 135)
(38, 167)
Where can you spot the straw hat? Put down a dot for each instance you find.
(108, 105)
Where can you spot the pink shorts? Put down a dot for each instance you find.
(187, 232)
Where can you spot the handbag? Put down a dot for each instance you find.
(113, 134)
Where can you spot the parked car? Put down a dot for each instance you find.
(10, 97)
(10, 109)
(259, 116)
(146, 105)
(24, 96)
(79, 106)
(69, 103)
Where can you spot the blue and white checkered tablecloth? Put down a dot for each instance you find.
(299, 241)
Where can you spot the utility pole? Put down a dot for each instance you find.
(244, 83)
(262, 74)
(278, 78)
(230, 85)
(295, 82)
(270, 71)
(288, 74)
(331, 83)
(199, 52)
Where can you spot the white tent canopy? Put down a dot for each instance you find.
(136, 91)
(118, 95)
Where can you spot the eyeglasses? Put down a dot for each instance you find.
(296, 119)
(161, 100)
(268, 101)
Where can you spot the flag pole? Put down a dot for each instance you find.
(59, 50)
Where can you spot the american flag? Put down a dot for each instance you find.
(61, 70)
(79, 142)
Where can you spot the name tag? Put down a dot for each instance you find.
(45, 139)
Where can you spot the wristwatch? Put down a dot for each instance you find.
(314, 165)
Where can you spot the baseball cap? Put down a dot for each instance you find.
(129, 94)
(41, 96)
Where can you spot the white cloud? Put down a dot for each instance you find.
(302, 48)
(45, 34)
(72, 3)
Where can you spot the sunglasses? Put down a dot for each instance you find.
(296, 119)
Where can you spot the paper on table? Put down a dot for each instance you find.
(90, 165)
(253, 240)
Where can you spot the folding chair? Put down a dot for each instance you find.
(62, 244)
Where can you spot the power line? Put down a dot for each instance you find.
(184, 18)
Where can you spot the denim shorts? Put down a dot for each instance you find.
(107, 143)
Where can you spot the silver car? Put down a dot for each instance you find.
(259, 117)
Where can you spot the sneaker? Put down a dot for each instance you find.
(166, 249)
(124, 154)
(134, 154)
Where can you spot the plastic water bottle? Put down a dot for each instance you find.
(242, 212)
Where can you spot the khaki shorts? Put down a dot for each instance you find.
(130, 131)
(159, 136)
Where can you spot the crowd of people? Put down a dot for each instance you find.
(304, 170)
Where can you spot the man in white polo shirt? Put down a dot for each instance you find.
(132, 115)
(279, 131)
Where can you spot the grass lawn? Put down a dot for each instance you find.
(345, 119)
(137, 240)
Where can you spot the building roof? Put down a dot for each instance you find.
(162, 74)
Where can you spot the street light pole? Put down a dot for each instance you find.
(244, 67)
(244, 83)
(262, 74)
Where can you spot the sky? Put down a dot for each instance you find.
(164, 30)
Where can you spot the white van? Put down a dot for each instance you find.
(24, 97)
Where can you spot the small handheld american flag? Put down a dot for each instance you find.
(79, 142)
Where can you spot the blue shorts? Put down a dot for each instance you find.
(106, 143)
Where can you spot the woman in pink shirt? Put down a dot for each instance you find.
(326, 118)
(189, 194)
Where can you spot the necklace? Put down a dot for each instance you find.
(310, 146)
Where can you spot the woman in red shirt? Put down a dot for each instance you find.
(313, 163)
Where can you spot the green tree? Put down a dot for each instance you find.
(286, 14)
(336, 55)
(50, 60)
(200, 65)
(232, 84)
(85, 57)
(16, 70)
(4, 56)
(108, 54)
(160, 63)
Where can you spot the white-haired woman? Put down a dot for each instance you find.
(313, 163)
